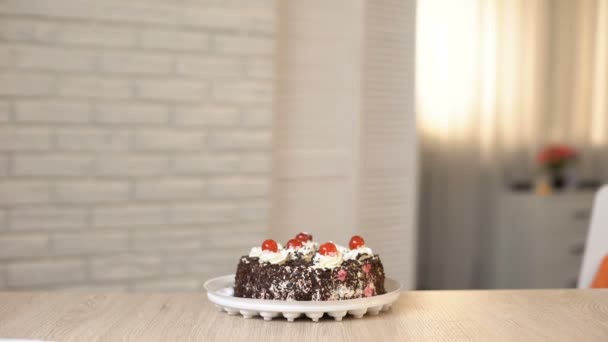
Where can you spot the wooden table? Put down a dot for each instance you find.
(553, 315)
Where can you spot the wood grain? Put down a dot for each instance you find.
(555, 315)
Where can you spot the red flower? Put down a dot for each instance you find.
(555, 155)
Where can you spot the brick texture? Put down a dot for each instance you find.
(135, 141)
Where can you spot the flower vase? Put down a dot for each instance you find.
(558, 181)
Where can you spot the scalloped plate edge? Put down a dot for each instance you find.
(219, 292)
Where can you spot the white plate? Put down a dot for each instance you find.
(220, 292)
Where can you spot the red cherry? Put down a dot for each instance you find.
(294, 243)
(270, 245)
(356, 242)
(328, 248)
(303, 236)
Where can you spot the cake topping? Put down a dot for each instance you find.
(328, 248)
(304, 236)
(329, 256)
(271, 252)
(357, 248)
(360, 253)
(275, 257)
(255, 252)
(308, 250)
(313, 246)
(294, 243)
(356, 242)
(270, 245)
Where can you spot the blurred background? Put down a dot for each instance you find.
(147, 144)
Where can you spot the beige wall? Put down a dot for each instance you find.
(345, 152)
(134, 140)
(316, 132)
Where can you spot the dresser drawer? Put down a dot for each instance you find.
(559, 243)
(560, 218)
(539, 241)
(555, 268)
(557, 231)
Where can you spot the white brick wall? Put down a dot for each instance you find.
(135, 140)
(210, 115)
(132, 164)
(46, 219)
(52, 112)
(24, 192)
(24, 139)
(100, 191)
(4, 111)
(131, 113)
(22, 84)
(51, 165)
(24, 274)
(13, 246)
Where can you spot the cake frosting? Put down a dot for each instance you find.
(360, 252)
(278, 257)
(328, 261)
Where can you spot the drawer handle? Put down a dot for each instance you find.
(577, 249)
(581, 215)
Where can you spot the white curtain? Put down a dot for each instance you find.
(497, 80)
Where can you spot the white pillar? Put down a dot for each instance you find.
(345, 153)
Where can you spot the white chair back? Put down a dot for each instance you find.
(596, 246)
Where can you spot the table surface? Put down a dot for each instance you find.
(553, 315)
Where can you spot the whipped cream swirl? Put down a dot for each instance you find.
(278, 257)
(365, 253)
(329, 261)
(310, 245)
(255, 252)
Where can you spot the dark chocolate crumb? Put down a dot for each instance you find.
(297, 280)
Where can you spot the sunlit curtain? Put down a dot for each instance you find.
(497, 80)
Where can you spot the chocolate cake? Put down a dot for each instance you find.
(305, 271)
